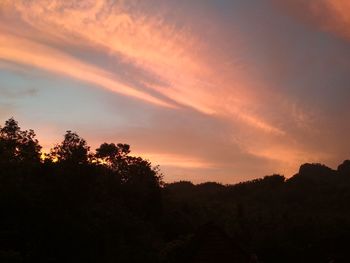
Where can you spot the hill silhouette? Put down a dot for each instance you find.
(75, 205)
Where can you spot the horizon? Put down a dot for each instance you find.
(211, 91)
(46, 155)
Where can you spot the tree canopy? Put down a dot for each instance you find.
(17, 145)
(77, 205)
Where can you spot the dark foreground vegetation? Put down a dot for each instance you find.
(106, 206)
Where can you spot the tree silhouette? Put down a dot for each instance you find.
(141, 182)
(114, 156)
(73, 149)
(110, 206)
(17, 145)
(344, 168)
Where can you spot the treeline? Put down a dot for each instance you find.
(74, 205)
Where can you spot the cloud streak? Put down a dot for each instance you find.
(30, 53)
(148, 42)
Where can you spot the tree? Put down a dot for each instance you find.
(11, 130)
(73, 149)
(140, 180)
(114, 156)
(17, 145)
(344, 168)
(130, 168)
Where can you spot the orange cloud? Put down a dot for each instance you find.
(166, 159)
(339, 20)
(167, 52)
(30, 53)
(328, 15)
(180, 59)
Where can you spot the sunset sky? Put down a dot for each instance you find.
(224, 90)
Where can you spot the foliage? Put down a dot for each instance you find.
(109, 206)
(73, 149)
(17, 145)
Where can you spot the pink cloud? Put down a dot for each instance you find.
(328, 15)
(193, 74)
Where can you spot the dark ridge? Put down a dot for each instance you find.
(78, 205)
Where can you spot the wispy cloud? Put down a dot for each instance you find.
(26, 52)
(170, 53)
(7, 93)
(206, 73)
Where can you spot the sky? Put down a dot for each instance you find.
(225, 90)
